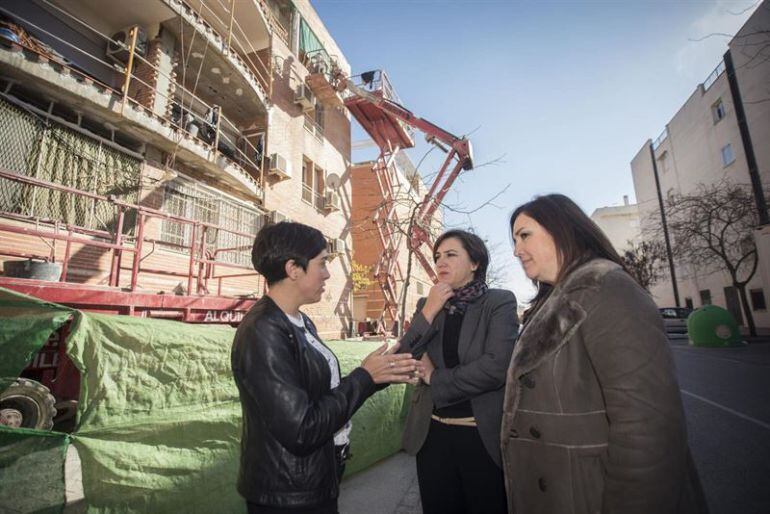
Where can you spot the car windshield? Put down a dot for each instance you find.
(675, 312)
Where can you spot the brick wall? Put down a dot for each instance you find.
(288, 137)
(367, 247)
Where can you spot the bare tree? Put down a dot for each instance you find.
(712, 230)
(645, 261)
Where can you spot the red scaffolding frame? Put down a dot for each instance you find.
(371, 99)
(199, 305)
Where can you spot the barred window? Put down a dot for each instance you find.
(189, 199)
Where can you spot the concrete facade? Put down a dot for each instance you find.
(702, 144)
(620, 223)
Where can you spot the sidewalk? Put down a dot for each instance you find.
(388, 487)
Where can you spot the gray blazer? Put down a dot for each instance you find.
(487, 335)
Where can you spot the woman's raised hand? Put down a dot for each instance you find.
(386, 366)
(437, 297)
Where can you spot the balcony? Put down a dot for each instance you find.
(108, 248)
(323, 72)
(138, 88)
(238, 34)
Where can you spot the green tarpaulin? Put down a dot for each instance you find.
(159, 417)
(32, 471)
(25, 326)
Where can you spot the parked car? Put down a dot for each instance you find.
(675, 319)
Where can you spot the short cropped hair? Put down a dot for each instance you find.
(277, 244)
(474, 245)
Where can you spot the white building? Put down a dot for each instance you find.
(720, 133)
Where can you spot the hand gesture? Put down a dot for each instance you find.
(386, 366)
(427, 368)
(437, 297)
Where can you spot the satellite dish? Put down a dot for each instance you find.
(333, 181)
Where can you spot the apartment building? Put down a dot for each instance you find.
(620, 223)
(720, 133)
(144, 143)
(368, 248)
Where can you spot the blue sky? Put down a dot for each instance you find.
(566, 92)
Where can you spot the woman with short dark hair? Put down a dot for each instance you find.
(593, 418)
(296, 405)
(464, 333)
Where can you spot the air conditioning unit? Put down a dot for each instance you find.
(338, 246)
(278, 166)
(332, 201)
(318, 64)
(304, 97)
(117, 47)
(276, 217)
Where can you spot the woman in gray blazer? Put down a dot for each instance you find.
(464, 333)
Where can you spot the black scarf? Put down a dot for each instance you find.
(465, 295)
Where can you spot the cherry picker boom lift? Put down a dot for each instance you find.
(373, 102)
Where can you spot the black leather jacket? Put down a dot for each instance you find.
(290, 412)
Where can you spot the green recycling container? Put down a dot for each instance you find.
(713, 326)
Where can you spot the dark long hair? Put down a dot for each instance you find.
(577, 238)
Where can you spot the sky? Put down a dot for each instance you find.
(558, 96)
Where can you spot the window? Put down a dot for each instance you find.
(320, 117)
(420, 288)
(688, 303)
(320, 186)
(727, 155)
(307, 181)
(189, 199)
(313, 184)
(758, 299)
(705, 297)
(718, 111)
(315, 119)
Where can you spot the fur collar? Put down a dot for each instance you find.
(559, 318)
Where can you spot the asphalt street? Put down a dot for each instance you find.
(726, 395)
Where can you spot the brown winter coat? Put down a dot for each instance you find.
(593, 419)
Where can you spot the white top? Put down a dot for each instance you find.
(343, 435)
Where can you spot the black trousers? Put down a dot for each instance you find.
(457, 475)
(329, 507)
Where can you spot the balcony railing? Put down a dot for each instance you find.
(232, 35)
(185, 111)
(311, 197)
(713, 76)
(125, 236)
(659, 140)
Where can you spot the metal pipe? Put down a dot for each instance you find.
(129, 67)
(117, 252)
(137, 252)
(748, 146)
(669, 254)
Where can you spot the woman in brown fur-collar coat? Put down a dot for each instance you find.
(593, 419)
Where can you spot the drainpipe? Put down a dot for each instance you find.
(748, 147)
(665, 227)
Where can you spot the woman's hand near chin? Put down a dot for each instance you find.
(437, 297)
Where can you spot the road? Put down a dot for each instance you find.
(726, 395)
